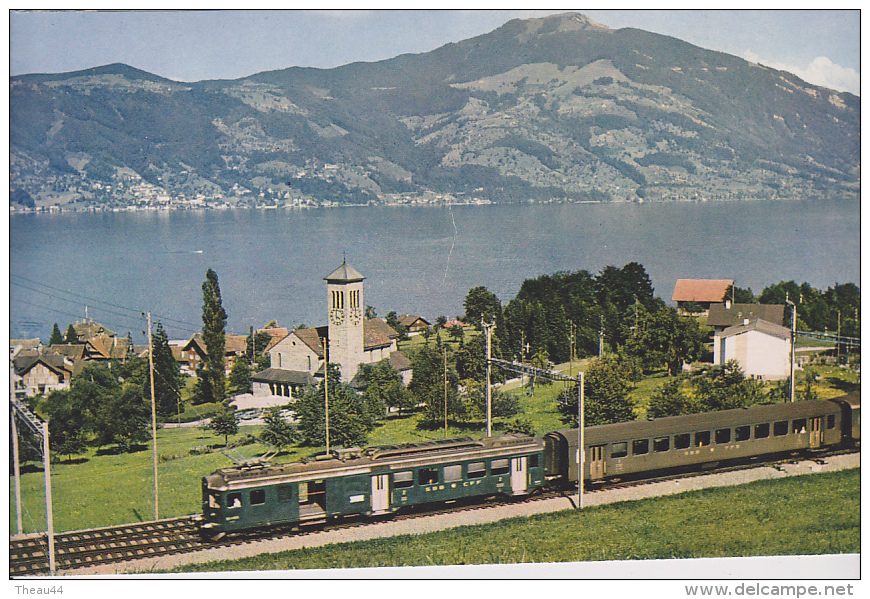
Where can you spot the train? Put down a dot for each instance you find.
(385, 479)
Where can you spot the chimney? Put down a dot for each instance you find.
(745, 321)
(727, 304)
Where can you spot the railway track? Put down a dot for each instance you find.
(28, 556)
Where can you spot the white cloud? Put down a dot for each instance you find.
(821, 71)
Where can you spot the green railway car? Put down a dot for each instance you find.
(376, 480)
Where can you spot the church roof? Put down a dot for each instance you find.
(344, 274)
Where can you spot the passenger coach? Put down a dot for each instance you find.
(373, 481)
(628, 448)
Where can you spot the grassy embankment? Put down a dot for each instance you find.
(99, 490)
(762, 518)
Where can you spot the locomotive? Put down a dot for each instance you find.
(385, 479)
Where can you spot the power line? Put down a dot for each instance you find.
(160, 317)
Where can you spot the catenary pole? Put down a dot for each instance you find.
(488, 328)
(49, 515)
(17, 470)
(581, 457)
(153, 416)
(326, 401)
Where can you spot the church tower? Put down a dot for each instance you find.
(344, 287)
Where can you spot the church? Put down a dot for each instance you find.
(349, 339)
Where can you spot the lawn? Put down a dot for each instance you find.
(805, 515)
(100, 490)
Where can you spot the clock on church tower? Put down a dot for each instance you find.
(344, 288)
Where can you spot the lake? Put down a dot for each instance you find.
(417, 260)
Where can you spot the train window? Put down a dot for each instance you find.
(799, 426)
(500, 467)
(285, 492)
(702, 439)
(214, 500)
(661, 444)
(831, 421)
(533, 461)
(619, 450)
(762, 431)
(477, 470)
(723, 435)
(427, 476)
(234, 500)
(258, 497)
(741, 433)
(403, 480)
(639, 446)
(682, 441)
(780, 428)
(452, 473)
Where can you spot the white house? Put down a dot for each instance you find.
(761, 348)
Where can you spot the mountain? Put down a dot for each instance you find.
(557, 108)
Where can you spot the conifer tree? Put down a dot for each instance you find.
(56, 338)
(167, 375)
(214, 320)
(71, 336)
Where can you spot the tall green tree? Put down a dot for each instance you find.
(240, 376)
(56, 338)
(664, 338)
(214, 320)
(428, 385)
(167, 375)
(277, 432)
(71, 336)
(349, 422)
(481, 304)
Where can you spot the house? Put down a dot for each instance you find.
(722, 316)
(761, 348)
(413, 324)
(40, 374)
(194, 353)
(88, 328)
(28, 346)
(104, 347)
(702, 292)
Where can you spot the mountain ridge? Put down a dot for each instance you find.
(557, 108)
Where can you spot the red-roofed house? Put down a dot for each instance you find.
(702, 292)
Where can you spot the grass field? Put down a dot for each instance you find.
(805, 515)
(100, 490)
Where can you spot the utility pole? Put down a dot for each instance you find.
(791, 355)
(488, 329)
(444, 351)
(581, 454)
(326, 401)
(17, 471)
(601, 338)
(571, 338)
(153, 414)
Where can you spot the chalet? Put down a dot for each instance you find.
(695, 296)
(88, 329)
(413, 324)
(761, 348)
(27, 346)
(41, 374)
(194, 354)
(102, 348)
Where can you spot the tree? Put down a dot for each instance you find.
(68, 423)
(349, 423)
(672, 400)
(383, 388)
(240, 376)
(666, 338)
(124, 418)
(214, 320)
(428, 385)
(167, 375)
(225, 423)
(481, 304)
(71, 335)
(740, 296)
(56, 338)
(278, 432)
(606, 400)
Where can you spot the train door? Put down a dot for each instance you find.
(816, 434)
(380, 492)
(518, 475)
(596, 462)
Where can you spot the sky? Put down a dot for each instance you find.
(820, 46)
